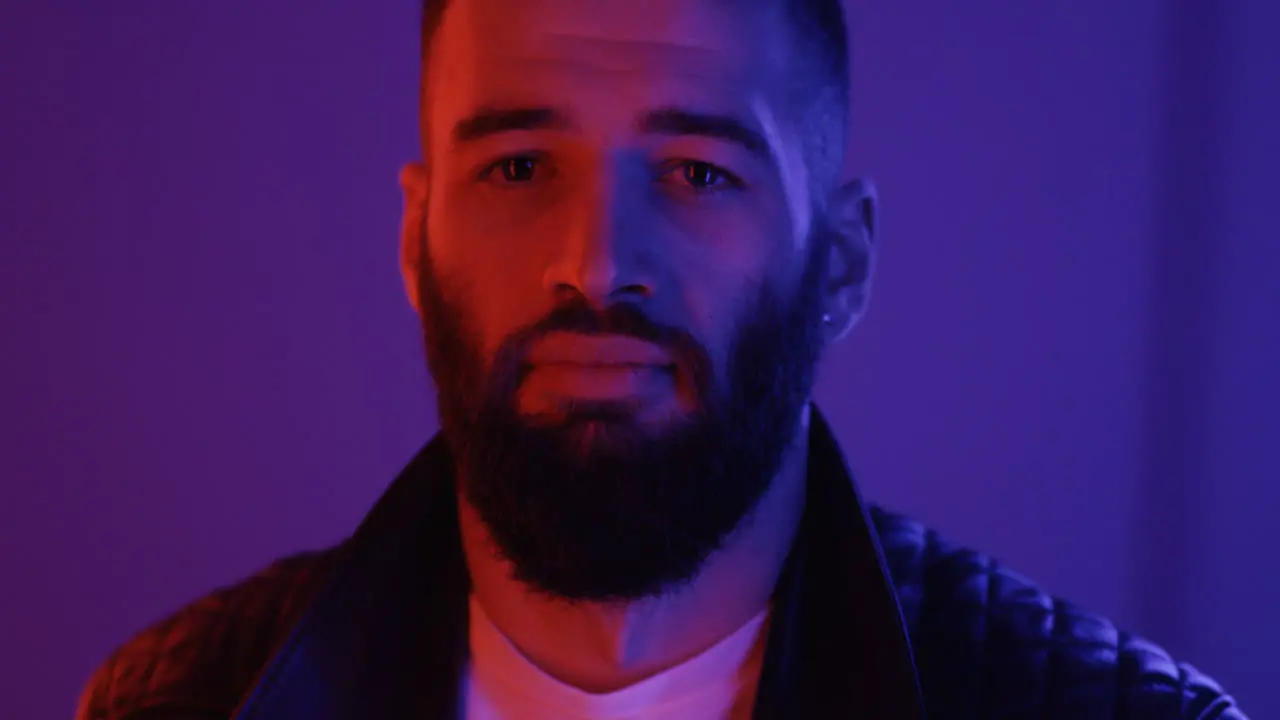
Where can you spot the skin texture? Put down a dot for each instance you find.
(622, 317)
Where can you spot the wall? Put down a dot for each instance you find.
(1232, 578)
(208, 361)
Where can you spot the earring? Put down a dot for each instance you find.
(826, 318)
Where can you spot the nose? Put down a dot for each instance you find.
(601, 254)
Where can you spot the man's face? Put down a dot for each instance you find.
(620, 279)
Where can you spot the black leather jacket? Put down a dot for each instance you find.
(874, 617)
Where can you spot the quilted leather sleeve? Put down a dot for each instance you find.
(990, 641)
(198, 662)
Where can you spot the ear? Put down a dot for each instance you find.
(413, 184)
(852, 212)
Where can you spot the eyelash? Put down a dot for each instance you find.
(729, 181)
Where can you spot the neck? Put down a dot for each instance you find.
(604, 647)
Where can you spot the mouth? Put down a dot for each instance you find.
(574, 368)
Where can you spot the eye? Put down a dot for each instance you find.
(515, 169)
(704, 177)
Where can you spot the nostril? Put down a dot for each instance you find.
(635, 290)
(566, 293)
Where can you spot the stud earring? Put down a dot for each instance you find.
(826, 318)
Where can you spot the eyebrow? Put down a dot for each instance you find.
(488, 121)
(679, 122)
(668, 121)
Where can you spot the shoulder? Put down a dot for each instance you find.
(202, 658)
(986, 636)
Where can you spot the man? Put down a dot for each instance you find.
(629, 245)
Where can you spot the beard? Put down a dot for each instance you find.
(596, 507)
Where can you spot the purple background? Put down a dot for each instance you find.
(1070, 360)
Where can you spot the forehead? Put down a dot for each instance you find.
(500, 51)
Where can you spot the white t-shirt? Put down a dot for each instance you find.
(719, 684)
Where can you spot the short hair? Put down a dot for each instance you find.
(819, 107)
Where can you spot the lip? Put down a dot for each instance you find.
(597, 351)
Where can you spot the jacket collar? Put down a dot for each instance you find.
(387, 635)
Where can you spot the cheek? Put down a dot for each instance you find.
(495, 267)
(731, 238)
(721, 269)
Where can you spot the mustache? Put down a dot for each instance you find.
(618, 319)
